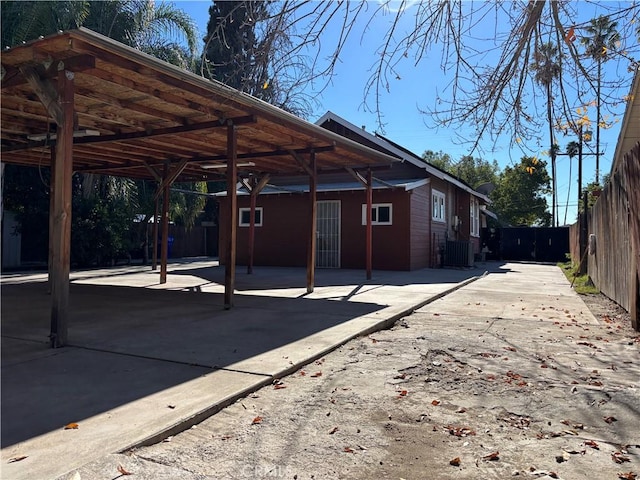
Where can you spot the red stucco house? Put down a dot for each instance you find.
(421, 216)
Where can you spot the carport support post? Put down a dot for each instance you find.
(156, 212)
(164, 248)
(51, 194)
(232, 225)
(252, 224)
(61, 233)
(369, 234)
(311, 252)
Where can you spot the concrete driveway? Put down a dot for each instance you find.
(137, 349)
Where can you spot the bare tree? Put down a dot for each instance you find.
(484, 53)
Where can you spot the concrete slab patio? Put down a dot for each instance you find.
(146, 360)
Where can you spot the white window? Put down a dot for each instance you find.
(438, 206)
(381, 214)
(474, 216)
(244, 217)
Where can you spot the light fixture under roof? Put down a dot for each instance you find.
(52, 136)
(224, 165)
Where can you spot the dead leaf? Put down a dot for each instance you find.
(373, 340)
(402, 376)
(511, 349)
(123, 471)
(627, 476)
(435, 403)
(553, 474)
(494, 456)
(592, 444)
(333, 430)
(455, 462)
(348, 450)
(257, 420)
(610, 419)
(279, 386)
(317, 374)
(71, 426)
(403, 393)
(302, 373)
(19, 458)
(618, 457)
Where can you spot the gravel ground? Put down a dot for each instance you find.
(437, 396)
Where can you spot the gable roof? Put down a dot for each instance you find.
(405, 155)
(137, 113)
(630, 129)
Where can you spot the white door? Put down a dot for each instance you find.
(328, 234)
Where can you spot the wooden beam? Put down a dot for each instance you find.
(156, 214)
(311, 249)
(232, 225)
(61, 234)
(175, 173)
(307, 168)
(132, 135)
(369, 229)
(52, 191)
(252, 226)
(164, 247)
(75, 64)
(254, 188)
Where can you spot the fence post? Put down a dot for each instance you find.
(584, 233)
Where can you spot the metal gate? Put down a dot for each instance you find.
(328, 234)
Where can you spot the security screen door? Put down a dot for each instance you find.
(328, 234)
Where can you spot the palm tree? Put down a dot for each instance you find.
(602, 37)
(545, 63)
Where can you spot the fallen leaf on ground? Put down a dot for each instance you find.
(492, 456)
(17, 459)
(71, 426)
(373, 340)
(333, 430)
(610, 419)
(511, 349)
(317, 374)
(302, 373)
(618, 457)
(402, 376)
(435, 403)
(455, 462)
(348, 450)
(403, 393)
(123, 471)
(592, 444)
(257, 420)
(627, 476)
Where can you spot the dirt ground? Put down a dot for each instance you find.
(437, 396)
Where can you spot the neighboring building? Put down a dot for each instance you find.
(418, 210)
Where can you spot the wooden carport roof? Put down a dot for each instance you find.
(134, 113)
(78, 101)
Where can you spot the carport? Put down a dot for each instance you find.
(80, 102)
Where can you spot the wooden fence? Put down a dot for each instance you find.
(614, 236)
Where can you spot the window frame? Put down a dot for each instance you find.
(441, 217)
(474, 217)
(375, 207)
(247, 210)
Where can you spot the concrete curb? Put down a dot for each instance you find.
(199, 417)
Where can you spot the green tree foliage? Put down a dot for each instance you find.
(472, 170)
(104, 208)
(520, 196)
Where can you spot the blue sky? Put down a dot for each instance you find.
(415, 90)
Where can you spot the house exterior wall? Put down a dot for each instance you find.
(283, 237)
(420, 217)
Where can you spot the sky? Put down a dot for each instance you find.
(415, 90)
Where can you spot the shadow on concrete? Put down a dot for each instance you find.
(126, 343)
